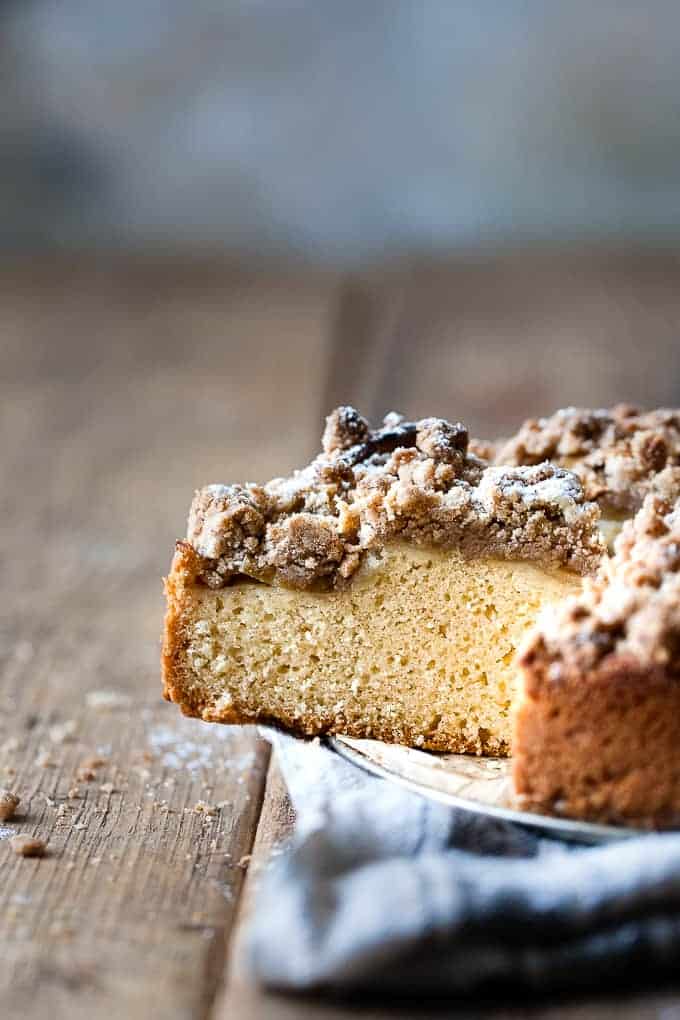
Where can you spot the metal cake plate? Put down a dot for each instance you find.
(481, 785)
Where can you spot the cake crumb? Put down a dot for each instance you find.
(28, 846)
(9, 802)
(44, 760)
(87, 770)
(201, 807)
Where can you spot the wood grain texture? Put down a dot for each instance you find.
(123, 388)
(138, 891)
(239, 997)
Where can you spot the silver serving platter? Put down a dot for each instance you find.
(481, 785)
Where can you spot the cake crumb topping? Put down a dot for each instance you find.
(632, 608)
(345, 428)
(414, 480)
(617, 453)
(28, 846)
(9, 802)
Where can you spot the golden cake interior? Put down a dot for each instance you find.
(419, 649)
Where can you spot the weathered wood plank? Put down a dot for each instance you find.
(123, 388)
(131, 908)
(240, 998)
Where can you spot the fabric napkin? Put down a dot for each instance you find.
(385, 892)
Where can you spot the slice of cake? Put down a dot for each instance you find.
(596, 725)
(381, 592)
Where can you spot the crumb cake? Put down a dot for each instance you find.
(596, 720)
(383, 591)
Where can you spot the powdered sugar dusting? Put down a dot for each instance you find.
(537, 487)
(176, 753)
(411, 481)
(193, 745)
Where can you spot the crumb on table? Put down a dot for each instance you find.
(28, 846)
(9, 802)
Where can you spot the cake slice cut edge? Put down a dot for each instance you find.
(379, 592)
(419, 649)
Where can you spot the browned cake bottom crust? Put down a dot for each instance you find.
(601, 746)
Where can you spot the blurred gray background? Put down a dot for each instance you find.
(463, 208)
(338, 132)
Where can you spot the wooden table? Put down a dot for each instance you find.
(124, 386)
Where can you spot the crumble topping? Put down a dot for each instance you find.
(414, 480)
(345, 428)
(28, 846)
(9, 802)
(632, 608)
(616, 453)
(547, 487)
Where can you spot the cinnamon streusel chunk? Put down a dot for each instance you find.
(380, 591)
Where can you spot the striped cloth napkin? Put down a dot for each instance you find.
(385, 892)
